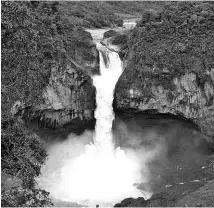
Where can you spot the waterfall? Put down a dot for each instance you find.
(96, 172)
(105, 84)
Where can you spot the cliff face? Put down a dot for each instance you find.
(70, 93)
(169, 65)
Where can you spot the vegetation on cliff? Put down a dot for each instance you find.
(169, 65)
(178, 39)
(28, 48)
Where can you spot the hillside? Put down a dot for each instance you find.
(99, 14)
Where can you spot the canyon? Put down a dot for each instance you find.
(162, 110)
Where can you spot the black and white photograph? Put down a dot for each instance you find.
(107, 103)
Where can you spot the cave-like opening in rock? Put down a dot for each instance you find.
(181, 148)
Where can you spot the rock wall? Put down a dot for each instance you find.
(169, 67)
(70, 93)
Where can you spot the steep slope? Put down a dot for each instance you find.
(70, 94)
(169, 65)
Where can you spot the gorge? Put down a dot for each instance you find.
(151, 143)
(98, 172)
(107, 112)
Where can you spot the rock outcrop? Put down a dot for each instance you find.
(83, 51)
(110, 33)
(70, 94)
(116, 41)
(169, 67)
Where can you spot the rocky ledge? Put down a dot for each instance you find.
(169, 65)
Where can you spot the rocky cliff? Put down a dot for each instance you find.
(169, 67)
(69, 94)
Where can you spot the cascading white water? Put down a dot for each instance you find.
(101, 174)
(105, 84)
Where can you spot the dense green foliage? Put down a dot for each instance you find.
(178, 39)
(22, 155)
(22, 197)
(31, 45)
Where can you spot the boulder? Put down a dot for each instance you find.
(116, 41)
(110, 33)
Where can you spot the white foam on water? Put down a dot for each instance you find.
(95, 173)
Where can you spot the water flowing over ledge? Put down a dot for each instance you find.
(98, 173)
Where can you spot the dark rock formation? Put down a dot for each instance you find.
(83, 51)
(116, 41)
(110, 33)
(169, 65)
(130, 201)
